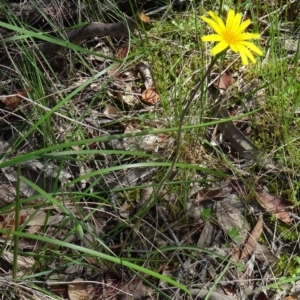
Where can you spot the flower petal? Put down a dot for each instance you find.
(234, 48)
(245, 52)
(230, 18)
(236, 22)
(212, 38)
(219, 48)
(249, 36)
(244, 58)
(212, 24)
(252, 47)
(250, 55)
(243, 26)
(217, 19)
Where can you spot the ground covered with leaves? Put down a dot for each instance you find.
(131, 167)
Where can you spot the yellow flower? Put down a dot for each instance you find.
(231, 35)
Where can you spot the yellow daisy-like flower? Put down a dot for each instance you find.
(231, 35)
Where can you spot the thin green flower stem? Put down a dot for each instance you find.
(184, 113)
(17, 214)
(221, 7)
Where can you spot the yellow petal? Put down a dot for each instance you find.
(243, 26)
(236, 22)
(217, 19)
(212, 24)
(244, 58)
(250, 55)
(249, 36)
(211, 38)
(245, 54)
(252, 47)
(230, 18)
(234, 48)
(219, 48)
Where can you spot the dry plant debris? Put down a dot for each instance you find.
(251, 242)
(104, 195)
(276, 205)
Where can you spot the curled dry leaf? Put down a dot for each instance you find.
(251, 242)
(150, 96)
(275, 205)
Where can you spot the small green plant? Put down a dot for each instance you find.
(289, 266)
(206, 213)
(235, 235)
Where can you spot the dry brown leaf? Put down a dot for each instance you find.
(293, 295)
(147, 142)
(219, 191)
(112, 112)
(8, 222)
(80, 290)
(13, 102)
(150, 96)
(230, 214)
(127, 96)
(207, 235)
(122, 52)
(290, 297)
(261, 296)
(135, 290)
(143, 18)
(225, 81)
(263, 253)
(202, 294)
(60, 290)
(24, 263)
(251, 242)
(275, 205)
(114, 71)
(125, 209)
